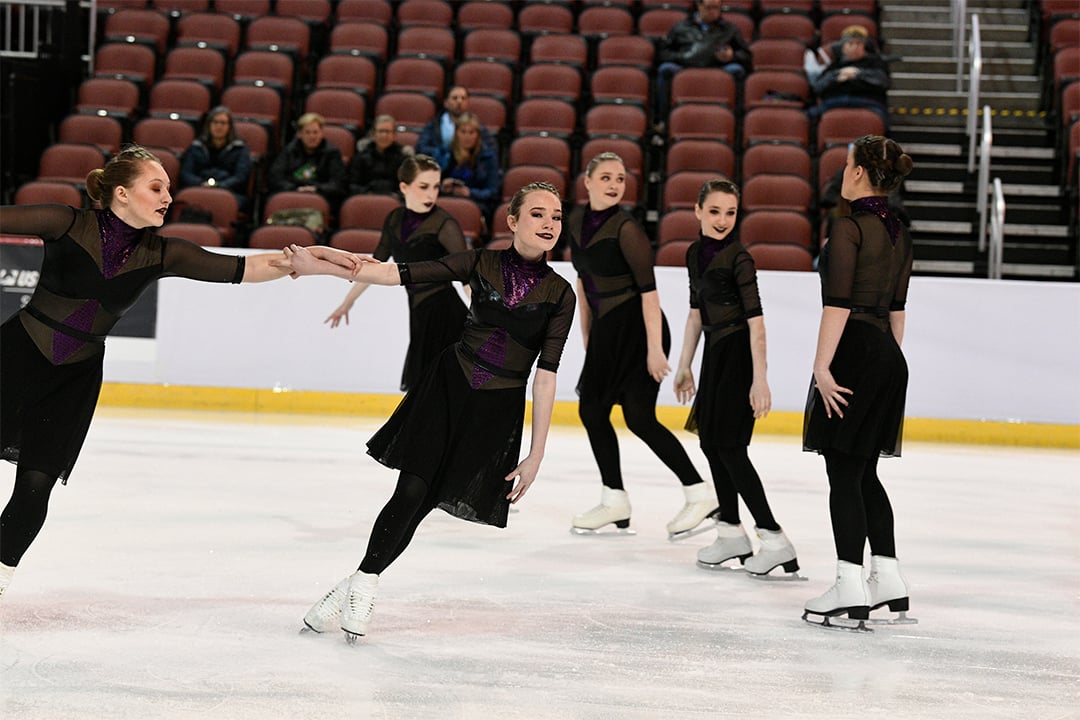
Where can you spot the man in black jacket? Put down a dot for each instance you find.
(703, 40)
(857, 78)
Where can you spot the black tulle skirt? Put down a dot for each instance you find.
(433, 325)
(45, 409)
(616, 360)
(721, 414)
(462, 442)
(870, 363)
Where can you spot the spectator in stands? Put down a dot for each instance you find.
(374, 167)
(815, 62)
(309, 163)
(439, 131)
(470, 168)
(857, 78)
(704, 39)
(218, 158)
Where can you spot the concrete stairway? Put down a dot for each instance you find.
(929, 119)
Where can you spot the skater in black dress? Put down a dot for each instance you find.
(734, 390)
(626, 345)
(419, 231)
(456, 436)
(97, 263)
(855, 408)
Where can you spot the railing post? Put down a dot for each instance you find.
(983, 188)
(997, 231)
(973, 89)
(959, 19)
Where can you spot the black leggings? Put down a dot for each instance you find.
(639, 411)
(24, 515)
(397, 522)
(859, 507)
(734, 475)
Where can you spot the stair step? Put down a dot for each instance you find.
(942, 226)
(1000, 101)
(991, 84)
(943, 267)
(1014, 230)
(912, 14)
(1025, 270)
(990, 34)
(947, 65)
(918, 45)
(937, 187)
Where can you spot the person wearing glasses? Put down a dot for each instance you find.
(374, 167)
(218, 158)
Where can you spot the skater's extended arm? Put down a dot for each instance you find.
(318, 260)
(684, 375)
(543, 392)
(342, 310)
(656, 360)
(833, 320)
(584, 313)
(760, 397)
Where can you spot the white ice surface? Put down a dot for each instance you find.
(173, 571)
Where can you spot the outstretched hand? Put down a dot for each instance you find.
(525, 473)
(684, 385)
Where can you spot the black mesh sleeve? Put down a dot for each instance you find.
(47, 222)
(182, 258)
(557, 330)
(635, 247)
(382, 250)
(451, 237)
(746, 281)
(843, 251)
(899, 300)
(459, 266)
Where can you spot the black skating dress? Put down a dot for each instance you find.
(51, 351)
(460, 428)
(865, 266)
(723, 286)
(436, 312)
(614, 262)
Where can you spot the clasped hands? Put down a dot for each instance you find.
(299, 260)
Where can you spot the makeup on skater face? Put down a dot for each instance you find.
(718, 214)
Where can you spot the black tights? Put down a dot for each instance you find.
(25, 514)
(859, 507)
(397, 522)
(639, 411)
(734, 475)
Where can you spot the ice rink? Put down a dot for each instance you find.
(173, 571)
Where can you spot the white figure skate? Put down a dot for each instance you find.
(775, 551)
(847, 596)
(731, 543)
(693, 518)
(614, 509)
(887, 587)
(359, 605)
(6, 573)
(324, 614)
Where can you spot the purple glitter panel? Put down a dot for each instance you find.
(492, 352)
(520, 276)
(879, 206)
(118, 241)
(64, 346)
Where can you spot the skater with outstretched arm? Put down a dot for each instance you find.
(855, 408)
(626, 345)
(419, 230)
(97, 263)
(456, 437)
(734, 390)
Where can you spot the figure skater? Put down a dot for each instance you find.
(734, 390)
(420, 230)
(456, 436)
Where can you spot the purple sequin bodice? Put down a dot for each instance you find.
(879, 205)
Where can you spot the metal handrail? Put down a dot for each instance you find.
(27, 28)
(975, 80)
(959, 22)
(997, 232)
(983, 188)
